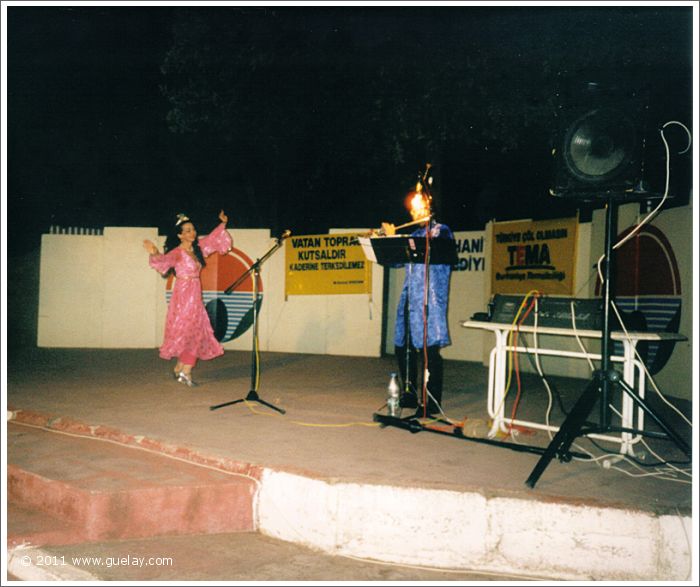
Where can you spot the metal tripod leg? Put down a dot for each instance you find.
(251, 397)
(568, 431)
(614, 376)
(571, 428)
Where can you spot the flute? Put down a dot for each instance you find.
(380, 231)
(419, 221)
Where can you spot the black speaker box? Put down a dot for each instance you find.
(603, 145)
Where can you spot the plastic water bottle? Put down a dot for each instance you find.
(392, 399)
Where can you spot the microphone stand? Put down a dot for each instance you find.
(255, 270)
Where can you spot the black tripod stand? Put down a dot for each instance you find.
(603, 382)
(255, 366)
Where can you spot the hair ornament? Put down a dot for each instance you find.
(181, 218)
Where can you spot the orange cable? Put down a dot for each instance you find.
(517, 362)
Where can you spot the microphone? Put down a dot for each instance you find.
(283, 236)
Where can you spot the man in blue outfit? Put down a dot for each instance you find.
(409, 335)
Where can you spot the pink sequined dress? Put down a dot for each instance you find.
(188, 330)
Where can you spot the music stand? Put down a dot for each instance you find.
(255, 270)
(603, 381)
(397, 250)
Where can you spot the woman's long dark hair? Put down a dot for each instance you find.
(172, 241)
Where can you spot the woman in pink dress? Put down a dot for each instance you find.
(188, 332)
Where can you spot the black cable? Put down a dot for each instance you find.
(602, 449)
(553, 387)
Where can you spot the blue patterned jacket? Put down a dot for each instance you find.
(438, 293)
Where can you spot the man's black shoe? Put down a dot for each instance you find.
(433, 410)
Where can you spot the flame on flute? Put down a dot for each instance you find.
(418, 204)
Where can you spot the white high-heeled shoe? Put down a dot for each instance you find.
(186, 379)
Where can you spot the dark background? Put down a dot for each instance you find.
(311, 117)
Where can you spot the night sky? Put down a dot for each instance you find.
(309, 117)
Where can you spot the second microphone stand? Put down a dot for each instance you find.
(255, 366)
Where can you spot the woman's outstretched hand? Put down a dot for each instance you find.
(150, 247)
(223, 217)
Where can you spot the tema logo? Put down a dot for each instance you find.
(231, 314)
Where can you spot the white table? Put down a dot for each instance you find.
(633, 373)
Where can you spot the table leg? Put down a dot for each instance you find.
(499, 383)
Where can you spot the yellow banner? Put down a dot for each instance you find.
(528, 255)
(326, 264)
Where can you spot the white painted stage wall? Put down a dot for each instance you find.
(99, 292)
(326, 325)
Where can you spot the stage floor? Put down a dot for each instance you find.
(328, 430)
